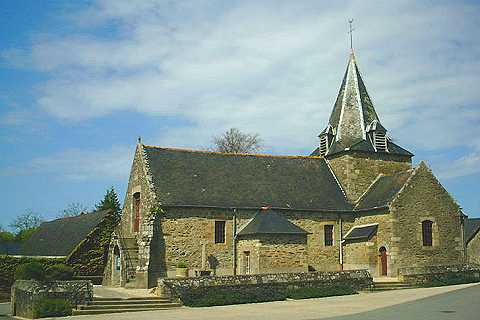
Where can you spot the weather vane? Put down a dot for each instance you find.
(350, 21)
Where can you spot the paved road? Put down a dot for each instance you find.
(460, 304)
(400, 304)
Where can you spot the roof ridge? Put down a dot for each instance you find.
(232, 154)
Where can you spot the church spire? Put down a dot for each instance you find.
(354, 123)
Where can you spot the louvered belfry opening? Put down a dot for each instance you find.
(323, 144)
(380, 141)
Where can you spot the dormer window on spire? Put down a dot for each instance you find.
(378, 136)
(326, 139)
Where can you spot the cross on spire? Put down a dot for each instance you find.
(350, 21)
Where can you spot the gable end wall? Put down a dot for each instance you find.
(423, 198)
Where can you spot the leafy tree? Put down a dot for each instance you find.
(73, 209)
(26, 223)
(6, 239)
(235, 141)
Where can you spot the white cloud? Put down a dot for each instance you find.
(80, 165)
(461, 167)
(268, 67)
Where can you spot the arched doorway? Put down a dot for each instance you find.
(116, 266)
(383, 261)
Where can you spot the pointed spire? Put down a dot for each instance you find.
(354, 123)
(353, 110)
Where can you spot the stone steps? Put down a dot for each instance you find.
(393, 285)
(118, 305)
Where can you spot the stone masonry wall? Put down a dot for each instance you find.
(473, 250)
(138, 261)
(183, 231)
(27, 293)
(425, 199)
(365, 254)
(356, 171)
(192, 288)
(449, 274)
(251, 245)
(273, 253)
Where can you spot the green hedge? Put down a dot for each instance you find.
(254, 294)
(30, 271)
(9, 264)
(52, 307)
(319, 292)
(448, 279)
(59, 272)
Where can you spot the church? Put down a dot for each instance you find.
(356, 202)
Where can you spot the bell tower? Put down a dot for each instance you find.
(354, 142)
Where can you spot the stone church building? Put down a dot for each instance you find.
(356, 202)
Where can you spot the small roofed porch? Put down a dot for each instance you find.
(269, 243)
(362, 250)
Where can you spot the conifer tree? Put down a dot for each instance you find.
(110, 201)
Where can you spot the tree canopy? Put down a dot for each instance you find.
(235, 141)
(26, 221)
(110, 201)
(73, 209)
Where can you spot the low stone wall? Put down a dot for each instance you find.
(448, 274)
(276, 285)
(26, 293)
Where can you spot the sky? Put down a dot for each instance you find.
(81, 81)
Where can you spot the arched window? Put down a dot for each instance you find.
(427, 233)
(136, 211)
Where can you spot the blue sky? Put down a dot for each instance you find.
(80, 82)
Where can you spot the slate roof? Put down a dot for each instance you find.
(59, 237)
(364, 146)
(361, 233)
(472, 226)
(383, 190)
(269, 222)
(197, 178)
(12, 248)
(353, 113)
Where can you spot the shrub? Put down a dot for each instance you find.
(226, 296)
(319, 292)
(30, 271)
(447, 279)
(52, 307)
(182, 264)
(60, 272)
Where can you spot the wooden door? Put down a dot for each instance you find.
(383, 261)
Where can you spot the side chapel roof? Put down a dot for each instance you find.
(472, 226)
(383, 190)
(198, 178)
(267, 221)
(59, 237)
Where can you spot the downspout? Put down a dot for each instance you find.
(234, 241)
(464, 244)
(340, 242)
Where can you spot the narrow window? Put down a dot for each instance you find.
(427, 233)
(246, 262)
(328, 235)
(219, 231)
(136, 211)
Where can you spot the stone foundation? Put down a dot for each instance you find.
(181, 289)
(425, 275)
(26, 293)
